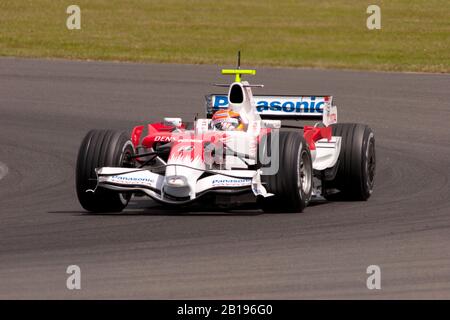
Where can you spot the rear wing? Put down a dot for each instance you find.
(282, 107)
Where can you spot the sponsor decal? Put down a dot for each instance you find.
(230, 182)
(191, 140)
(131, 180)
(274, 104)
(164, 139)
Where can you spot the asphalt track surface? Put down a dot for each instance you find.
(46, 107)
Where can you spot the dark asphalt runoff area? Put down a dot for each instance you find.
(146, 252)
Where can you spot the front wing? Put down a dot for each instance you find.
(155, 185)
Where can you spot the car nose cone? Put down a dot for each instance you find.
(176, 181)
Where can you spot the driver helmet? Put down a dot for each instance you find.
(227, 120)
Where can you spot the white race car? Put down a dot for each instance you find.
(179, 163)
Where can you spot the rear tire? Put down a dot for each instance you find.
(102, 148)
(292, 183)
(355, 169)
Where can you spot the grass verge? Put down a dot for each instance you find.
(415, 34)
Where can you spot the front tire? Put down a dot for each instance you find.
(102, 148)
(292, 183)
(355, 169)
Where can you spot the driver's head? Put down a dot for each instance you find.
(227, 120)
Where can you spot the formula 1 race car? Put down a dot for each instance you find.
(279, 170)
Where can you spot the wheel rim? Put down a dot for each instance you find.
(304, 172)
(370, 163)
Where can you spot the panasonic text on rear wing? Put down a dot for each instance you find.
(277, 107)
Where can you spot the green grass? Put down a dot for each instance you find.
(415, 34)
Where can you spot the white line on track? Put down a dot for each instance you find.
(3, 170)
